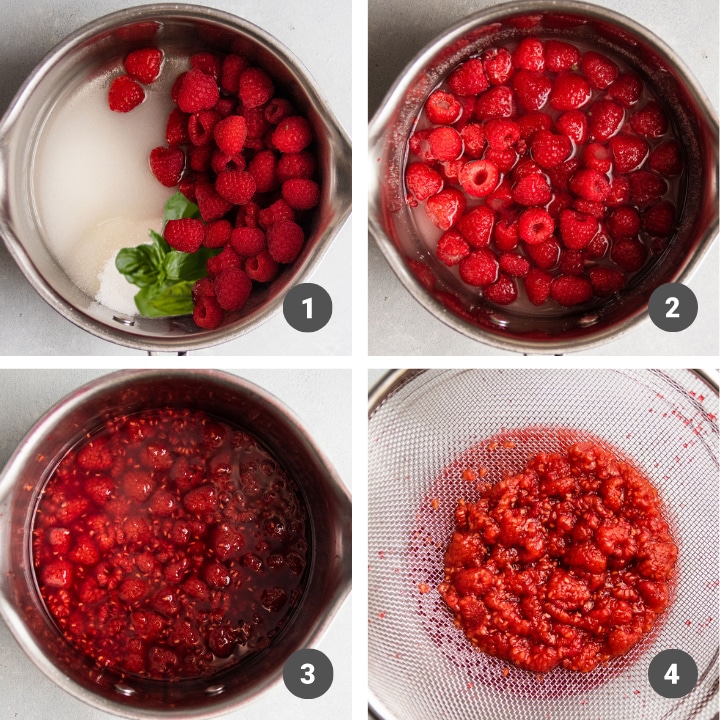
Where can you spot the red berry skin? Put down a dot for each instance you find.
(514, 264)
(502, 133)
(144, 65)
(247, 242)
(623, 222)
(659, 220)
(176, 130)
(570, 290)
(597, 156)
(230, 134)
(529, 55)
(228, 258)
(479, 268)
(207, 314)
(646, 187)
(300, 193)
(600, 71)
(606, 281)
(232, 67)
(235, 186)
(498, 65)
(574, 124)
(532, 191)
(577, 229)
(442, 108)
(197, 91)
(58, 574)
(537, 286)
(535, 226)
(502, 292)
(476, 226)
(619, 191)
(292, 135)
(285, 240)
(598, 246)
(650, 122)
(261, 268)
(666, 159)
(185, 235)
(212, 205)
(479, 177)
(506, 236)
(445, 208)
(628, 152)
(569, 92)
(473, 137)
(124, 94)
(572, 262)
(167, 165)
(95, 457)
(626, 89)
(497, 102)
(532, 89)
(560, 56)
(500, 198)
(422, 180)
(606, 118)
(545, 255)
(549, 150)
(255, 87)
(232, 289)
(469, 78)
(293, 165)
(629, 254)
(590, 185)
(452, 248)
(445, 144)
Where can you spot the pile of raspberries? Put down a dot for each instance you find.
(548, 167)
(243, 154)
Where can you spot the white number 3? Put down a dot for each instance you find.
(671, 674)
(309, 678)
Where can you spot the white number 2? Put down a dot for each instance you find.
(672, 312)
(309, 669)
(308, 302)
(671, 674)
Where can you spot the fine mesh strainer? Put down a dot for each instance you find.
(425, 427)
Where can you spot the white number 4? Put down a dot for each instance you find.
(309, 669)
(672, 674)
(308, 302)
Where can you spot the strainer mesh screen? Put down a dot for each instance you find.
(433, 424)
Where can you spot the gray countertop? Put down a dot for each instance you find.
(30, 28)
(397, 31)
(26, 694)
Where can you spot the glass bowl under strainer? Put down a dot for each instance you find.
(420, 665)
(521, 327)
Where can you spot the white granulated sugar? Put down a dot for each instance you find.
(115, 291)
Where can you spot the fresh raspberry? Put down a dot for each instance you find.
(532, 190)
(598, 69)
(167, 165)
(650, 121)
(623, 222)
(606, 281)
(212, 205)
(422, 180)
(255, 87)
(263, 167)
(451, 170)
(497, 102)
(549, 150)
(452, 248)
(230, 134)
(501, 133)
(498, 66)
(574, 124)
(225, 260)
(207, 314)
(506, 235)
(124, 94)
(606, 117)
(532, 89)
(445, 208)
(569, 92)
(207, 62)
(203, 288)
(659, 219)
(479, 177)
(469, 78)
(479, 268)
(560, 56)
(187, 186)
(442, 108)
(535, 226)
(236, 186)
(628, 254)
(175, 90)
(201, 126)
(626, 89)
(232, 67)
(261, 268)
(301, 194)
(445, 143)
(176, 130)
(200, 158)
(572, 262)
(619, 191)
(95, 456)
(185, 235)
(524, 168)
(258, 129)
(514, 264)
(597, 157)
(268, 216)
(217, 233)
(232, 289)
(577, 229)
(544, 255)
(278, 109)
(589, 207)
(629, 152)
(473, 137)
(197, 92)
(248, 214)
(590, 184)
(477, 225)
(562, 200)
(646, 187)
(284, 241)
(532, 122)
(500, 198)
(300, 165)
(502, 292)
(144, 65)
(225, 107)
(529, 55)
(504, 160)
(598, 246)
(247, 242)
(537, 286)
(569, 290)
(420, 146)
(666, 159)
(292, 135)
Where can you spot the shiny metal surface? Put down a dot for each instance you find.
(182, 29)
(389, 217)
(228, 397)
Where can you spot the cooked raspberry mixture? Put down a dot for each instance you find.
(170, 544)
(569, 156)
(245, 154)
(566, 563)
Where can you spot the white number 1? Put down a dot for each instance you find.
(309, 669)
(672, 674)
(672, 312)
(308, 302)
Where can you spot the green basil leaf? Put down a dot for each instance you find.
(137, 265)
(188, 266)
(177, 207)
(165, 300)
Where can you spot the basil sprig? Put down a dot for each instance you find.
(165, 276)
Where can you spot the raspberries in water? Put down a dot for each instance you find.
(124, 94)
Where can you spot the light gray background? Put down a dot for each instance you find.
(398, 30)
(26, 694)
(30, 28)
